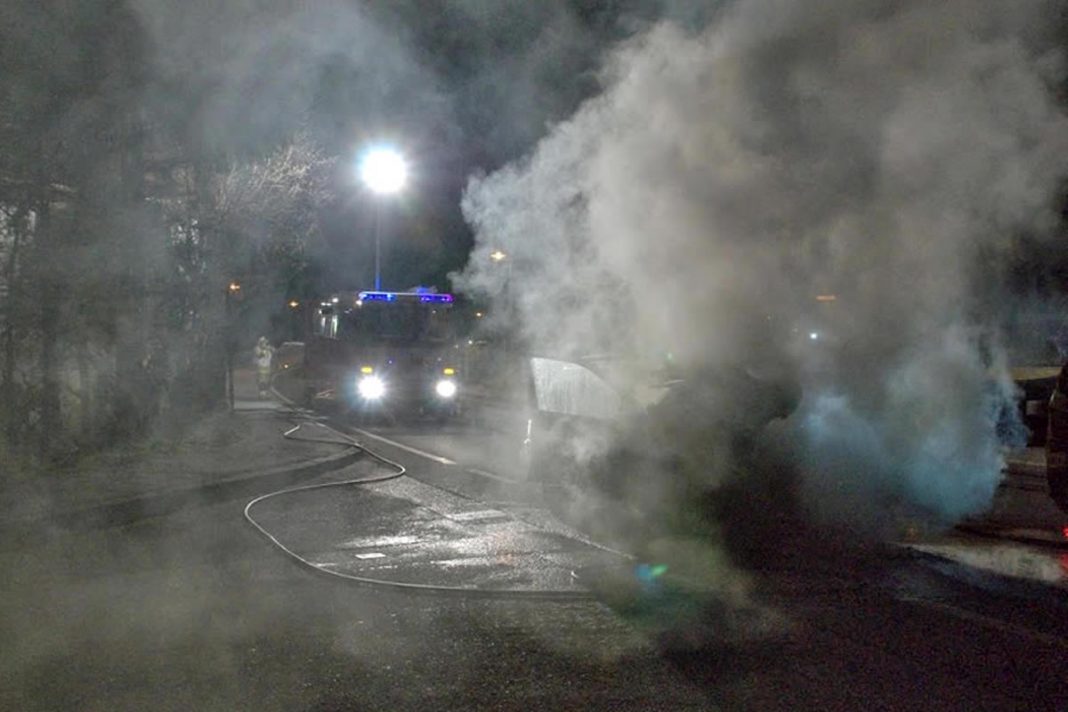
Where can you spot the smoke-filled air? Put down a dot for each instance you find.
(823, 189)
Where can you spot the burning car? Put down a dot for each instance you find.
(599, 431)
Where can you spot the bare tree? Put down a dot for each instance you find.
(119, 232)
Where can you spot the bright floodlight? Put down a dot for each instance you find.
(383, 170)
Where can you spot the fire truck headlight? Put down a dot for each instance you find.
(445, 388)
(371, 387)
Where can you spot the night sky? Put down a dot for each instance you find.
(460, 87)
(483, 82)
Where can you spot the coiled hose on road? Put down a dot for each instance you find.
(540, 595)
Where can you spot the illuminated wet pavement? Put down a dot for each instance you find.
(1018, 536)
(404, 531)
(195, 610)
(819, 627)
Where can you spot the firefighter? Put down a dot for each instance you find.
(1057, 442)
(263, 353)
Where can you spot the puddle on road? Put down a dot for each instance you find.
(372, 542)
(477, 516)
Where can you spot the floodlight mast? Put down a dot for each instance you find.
(384, 171)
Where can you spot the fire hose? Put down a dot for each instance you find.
(562, 595)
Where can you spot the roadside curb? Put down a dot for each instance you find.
(1023, 535)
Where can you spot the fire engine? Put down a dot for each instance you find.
(385, 353)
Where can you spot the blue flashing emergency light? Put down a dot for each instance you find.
(409, 296)
(378, 296)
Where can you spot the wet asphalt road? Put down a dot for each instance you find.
(195, 610)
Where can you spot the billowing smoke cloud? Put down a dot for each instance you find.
(251, 71)
(877, 150)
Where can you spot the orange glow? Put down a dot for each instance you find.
(826, 297)
(235, 287)
(293, 304)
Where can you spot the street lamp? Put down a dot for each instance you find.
(384, 171)
(233, 291)
(499, 257)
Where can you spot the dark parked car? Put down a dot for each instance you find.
(1035, 384)
(1057, 441)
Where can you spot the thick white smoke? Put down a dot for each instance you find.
(722, 179)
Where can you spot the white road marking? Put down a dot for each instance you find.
(376, 541)
(371, 555)
(407, 448)
(478, 515)
(490, 475)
